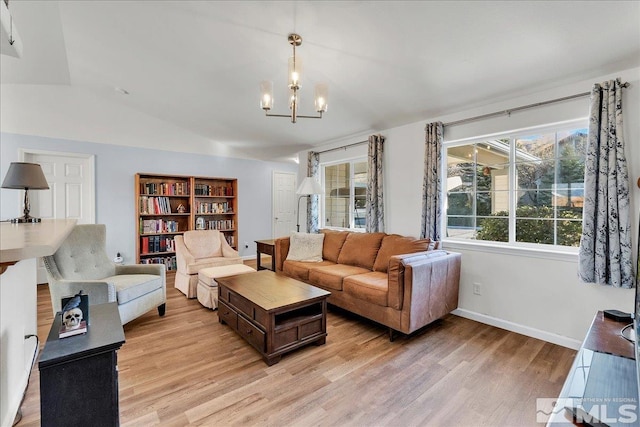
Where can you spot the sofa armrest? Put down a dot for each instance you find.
(99, 292)
(396, 271)
(281, 251)
(431, 286)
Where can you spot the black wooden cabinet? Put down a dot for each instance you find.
(79, 374)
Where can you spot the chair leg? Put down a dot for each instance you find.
(392, 335)
(161, 309)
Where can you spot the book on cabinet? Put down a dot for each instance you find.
(169, 205)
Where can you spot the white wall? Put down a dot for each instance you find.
(533, 293)
(18, 311)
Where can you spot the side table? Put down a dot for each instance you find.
(267, 247)
(79, 374)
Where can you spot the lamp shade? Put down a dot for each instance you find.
(23, 175)
(309, 186)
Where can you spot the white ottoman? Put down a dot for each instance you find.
(207, 290)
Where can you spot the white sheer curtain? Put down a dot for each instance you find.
(605, 246)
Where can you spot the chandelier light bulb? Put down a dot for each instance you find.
(295, 70)
(321, 95)
(266, 100)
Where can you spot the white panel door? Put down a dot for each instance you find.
(71, 192)
(284, 203)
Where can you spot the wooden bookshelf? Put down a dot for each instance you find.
(215, 206)
(169, 205)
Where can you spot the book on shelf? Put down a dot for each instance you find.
(152, 244)
(154, 205)
(65, 332)
(164, 188)
(149, 226)
(169, 262)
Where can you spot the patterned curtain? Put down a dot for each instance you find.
(431, 185)
(313, 165)
(605, 246)
(375, 200)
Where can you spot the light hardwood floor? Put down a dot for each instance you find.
(187, 369)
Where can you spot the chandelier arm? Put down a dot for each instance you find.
(289, 116)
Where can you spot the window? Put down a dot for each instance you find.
(518, 188)
(344, 202)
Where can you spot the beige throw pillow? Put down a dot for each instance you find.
(305, 247)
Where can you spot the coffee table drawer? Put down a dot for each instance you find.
(251, 333)
(227, 315)
(241, 304)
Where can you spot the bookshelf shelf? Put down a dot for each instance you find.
(158, 201)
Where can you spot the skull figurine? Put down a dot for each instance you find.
(72, 318)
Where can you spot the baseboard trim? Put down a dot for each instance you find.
(518, 328)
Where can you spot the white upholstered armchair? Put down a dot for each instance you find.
(82, 263)
(198, 249)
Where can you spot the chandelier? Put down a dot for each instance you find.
(295, 68)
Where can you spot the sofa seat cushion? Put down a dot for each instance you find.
(201, 263)
(394, 244)
(330, 277)
(299, 270)
(333, 241)
(372, 287)
(132, 286)
(360, 249)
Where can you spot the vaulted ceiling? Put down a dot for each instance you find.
(192, 68)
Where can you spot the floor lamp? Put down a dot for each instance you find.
(308, 187)
(25, 176)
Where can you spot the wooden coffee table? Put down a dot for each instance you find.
(272, 312)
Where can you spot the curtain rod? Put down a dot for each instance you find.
(524, 107)
(344, 147)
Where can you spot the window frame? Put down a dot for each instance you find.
(554, 251)
(321, 205)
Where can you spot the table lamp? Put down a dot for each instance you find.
(308, 187)
(25, 176)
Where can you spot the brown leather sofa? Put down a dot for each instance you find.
(401, 282)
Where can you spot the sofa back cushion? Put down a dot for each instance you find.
(333, 241)
(360, 249)
(394, 244)
(203, 243)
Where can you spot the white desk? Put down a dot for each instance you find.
(20, 246)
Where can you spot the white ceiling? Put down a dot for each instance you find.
(193, 68)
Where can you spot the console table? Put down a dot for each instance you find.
(603, 337)
(79, 374)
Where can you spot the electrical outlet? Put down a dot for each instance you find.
(477, 289)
